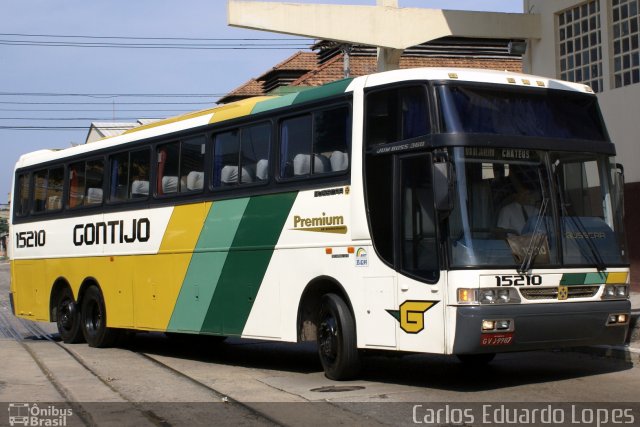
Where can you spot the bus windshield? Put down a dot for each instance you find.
(520, 112)
(526, 208)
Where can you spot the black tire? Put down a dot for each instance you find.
(94, 320)
(337, 345)
(476, 359)
(68, 318)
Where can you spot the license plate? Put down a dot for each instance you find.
(496, 339)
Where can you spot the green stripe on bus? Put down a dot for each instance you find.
(325, 91)
(595, 278)
(206, 265)
(272, 104)
(569, 279)
(247, 263)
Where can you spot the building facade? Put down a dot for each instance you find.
(597, 42)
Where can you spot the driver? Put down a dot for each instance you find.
(514, 216)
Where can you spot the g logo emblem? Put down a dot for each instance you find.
(411, 315)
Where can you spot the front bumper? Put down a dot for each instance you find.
(541, 326)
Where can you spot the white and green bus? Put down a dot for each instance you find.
(446, 211)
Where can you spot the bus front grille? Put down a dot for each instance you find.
(552, 293)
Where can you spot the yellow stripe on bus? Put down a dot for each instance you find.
(139, 291)
(617, 278)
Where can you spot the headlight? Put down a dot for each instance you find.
(488, 296)
(615, 292)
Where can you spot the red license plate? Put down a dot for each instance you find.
(496, 339)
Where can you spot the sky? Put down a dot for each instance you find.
(36, 82)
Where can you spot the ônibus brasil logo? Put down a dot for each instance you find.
(26, 414)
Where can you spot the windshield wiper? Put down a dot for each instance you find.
(537, 239)
(579, 225)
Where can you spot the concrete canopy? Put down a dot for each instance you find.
(384, 26)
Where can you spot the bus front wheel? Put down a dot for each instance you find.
(337, 345)
(94, 320)
(68, 318)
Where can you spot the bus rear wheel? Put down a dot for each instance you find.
(94, 320)
(337, 345)
(68, 318)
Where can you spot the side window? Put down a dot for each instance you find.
(396, 114)
(181, 166)
(255, 146)
(315, 143)
(23, 187)
(241, 156)
(295, 144)
(419, 243)
(48, 190)
(331, 140)
(129, 175)
(192, 164)
(94, 179)
(168, 168)
(40, 190)
(86, 183)
(226, 159)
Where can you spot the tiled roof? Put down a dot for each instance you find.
(360, 66)
(299, 61)
(326, 65)
(251, 88)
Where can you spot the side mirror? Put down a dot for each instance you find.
(619, 183)
(443, 188)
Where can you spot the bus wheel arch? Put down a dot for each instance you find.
(310, 303)
(93, 315)
(326, 315)
(64, 310)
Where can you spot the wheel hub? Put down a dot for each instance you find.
(328, 338)
(67, 314)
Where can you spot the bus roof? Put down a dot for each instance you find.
(266, 103)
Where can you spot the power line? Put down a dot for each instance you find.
(53, 128)
(245, 46)
(102, 110)
(95, 119)
(115, 95)
(102, 103)
(153, 38)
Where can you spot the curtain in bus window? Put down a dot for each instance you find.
(414, 113)
(284, 149)
(114, 179)
(40, 191)
(24, 185)
(554, 114)
(255, 152)
(162, 158)
(76, 184)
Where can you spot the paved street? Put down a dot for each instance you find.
(242, 382)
